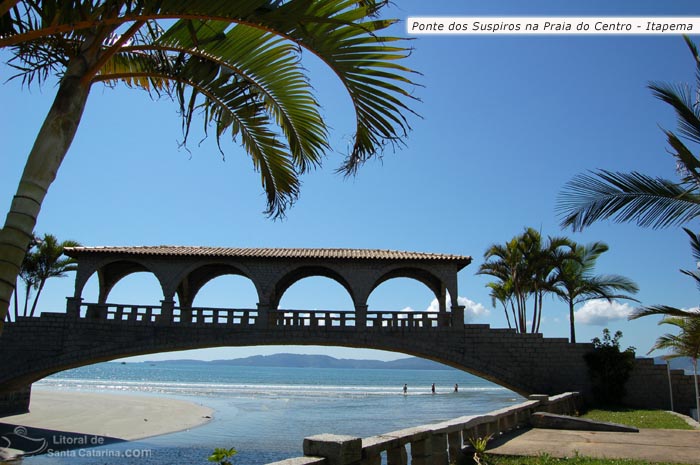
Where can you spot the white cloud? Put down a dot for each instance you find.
(472, 309)
(600, 312)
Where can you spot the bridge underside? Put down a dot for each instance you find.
(33, 348)
(525, 364)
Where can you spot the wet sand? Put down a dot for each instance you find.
(112, 416)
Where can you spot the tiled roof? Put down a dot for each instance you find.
(338, 254)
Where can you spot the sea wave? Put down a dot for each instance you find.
(245, 390)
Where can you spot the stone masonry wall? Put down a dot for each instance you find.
(33, 348)
(648, 387)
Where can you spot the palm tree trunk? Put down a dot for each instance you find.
(27, 292)
(16, 302)
(36, 297)
(571, 321)
(515, 320)
(697, 396)
(45, 157)
(505, 310)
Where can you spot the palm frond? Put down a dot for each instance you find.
(664, 310)
(650, 202)
(681, 99)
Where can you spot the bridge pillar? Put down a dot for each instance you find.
(73, 306)
(458, 317)
(264, 316)
(15, 402)
(360, 316)
(166, 311)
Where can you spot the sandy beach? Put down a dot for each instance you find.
(114, 416)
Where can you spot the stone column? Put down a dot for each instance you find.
(360, 316)
(438, 443)
(336, 449)
(166, 311)
(458, 317)
(73, 307)
(422, 451)
(264, 314)
(454, 441)
(397, 456)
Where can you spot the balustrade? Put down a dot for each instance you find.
(436, 444)
(314, 318)
(249, 317)
(403, 319)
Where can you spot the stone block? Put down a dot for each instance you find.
(337, 449)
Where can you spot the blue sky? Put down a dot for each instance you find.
(505, 122)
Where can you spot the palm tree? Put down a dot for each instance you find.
(636, 197)
(576, 284)
(666, 310)
(235, 62)
(29, 276)
(49, 264)
(502, 292)
(684, 344)
(524, 267)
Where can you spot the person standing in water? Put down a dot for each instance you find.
(405, 389)
(432, 388)
(456, 387)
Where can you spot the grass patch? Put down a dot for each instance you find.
(545, 459)
(654, 419)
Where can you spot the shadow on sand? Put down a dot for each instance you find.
(17, 440)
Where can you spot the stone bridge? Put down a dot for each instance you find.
(33, 348)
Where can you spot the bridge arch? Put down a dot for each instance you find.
(195, 277)
(524, 363)
(307, 271)
(111, 272)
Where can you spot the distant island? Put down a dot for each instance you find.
(680, 363)
(317, 361)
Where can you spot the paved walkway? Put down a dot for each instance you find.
(652, 445)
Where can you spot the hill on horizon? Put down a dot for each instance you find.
(318, 361)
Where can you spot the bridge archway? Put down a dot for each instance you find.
(298, 274)
(229, 290)
(400, 293)
(196, 277)
(316, 293)
(110, 274)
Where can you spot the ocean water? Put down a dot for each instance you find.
(266, 412)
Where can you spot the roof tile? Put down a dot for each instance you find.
(292, 253)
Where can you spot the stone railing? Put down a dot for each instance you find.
(435, 444)
(403, 319)
(313, 318)
(119, 312)
(215, 316)
(249, 317)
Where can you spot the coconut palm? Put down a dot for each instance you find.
(29, 276)
(237, 63)
(49, 264)
(524, 267)
(684, 344)
(575, 282)
(637, 197)
(502, 292)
